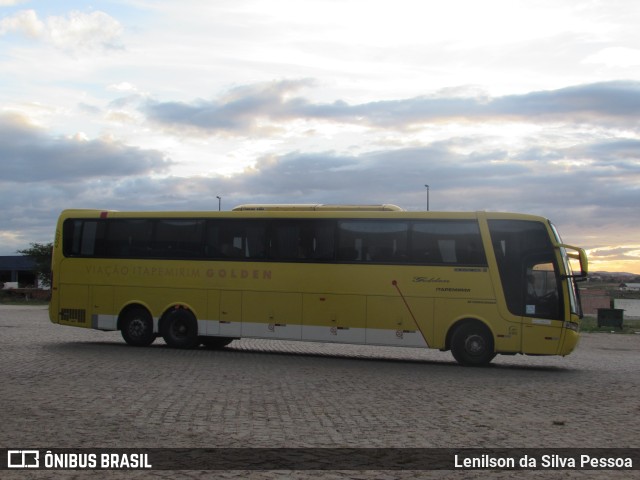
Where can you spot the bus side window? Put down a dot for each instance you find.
(447, 242)
(223, 240)
(129, 238)
(323, 241)
(285, 244)
(83, 238)
(236, 239)
(542, 299)
(375, 241)
(177, 238)
(255, 240)
(302, 240)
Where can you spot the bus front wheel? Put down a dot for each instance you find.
(137, 327)
(180, 329)
(472, 344)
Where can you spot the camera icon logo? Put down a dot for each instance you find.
(23, 459)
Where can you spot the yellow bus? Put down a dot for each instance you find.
(477, 284)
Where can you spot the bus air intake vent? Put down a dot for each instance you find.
(73, 315)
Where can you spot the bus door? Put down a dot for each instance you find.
(530, 282)
(543, 307)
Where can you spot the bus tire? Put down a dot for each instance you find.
(136, 327)
(215, 343)
(472, 344)
(180, 329)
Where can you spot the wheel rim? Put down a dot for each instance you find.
(179, 329)
(137, 327)
(475, 345)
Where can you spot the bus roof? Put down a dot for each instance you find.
(310, 207)
(303, 210)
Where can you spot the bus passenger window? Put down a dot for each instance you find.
(83, 238)
(255, 238)
(375, 241)
(235, 239)
(177, 238)
(447, 242)
(301, 240)
(129, 238)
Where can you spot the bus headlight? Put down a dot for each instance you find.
(572, 326)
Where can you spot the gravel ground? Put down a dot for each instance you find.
(65, 387)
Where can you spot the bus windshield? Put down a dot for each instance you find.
(574, 298)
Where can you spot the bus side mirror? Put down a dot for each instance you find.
(580, 255)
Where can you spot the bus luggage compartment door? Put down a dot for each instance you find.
(272, 315)
(230, 313)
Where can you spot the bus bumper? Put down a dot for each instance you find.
(571, 337)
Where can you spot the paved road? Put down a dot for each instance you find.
(64, 387)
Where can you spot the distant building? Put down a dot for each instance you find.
(593, 299)
(18, 269)
(630, 287)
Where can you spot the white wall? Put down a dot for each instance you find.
(631, 307)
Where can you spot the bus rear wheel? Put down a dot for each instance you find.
(180, 329)
(137, 327)
(472, 344)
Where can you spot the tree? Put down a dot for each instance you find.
(41, 254)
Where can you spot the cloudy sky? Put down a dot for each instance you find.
(500, 105)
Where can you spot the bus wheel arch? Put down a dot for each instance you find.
(179, 327)
(136, 325)
(471, 342)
